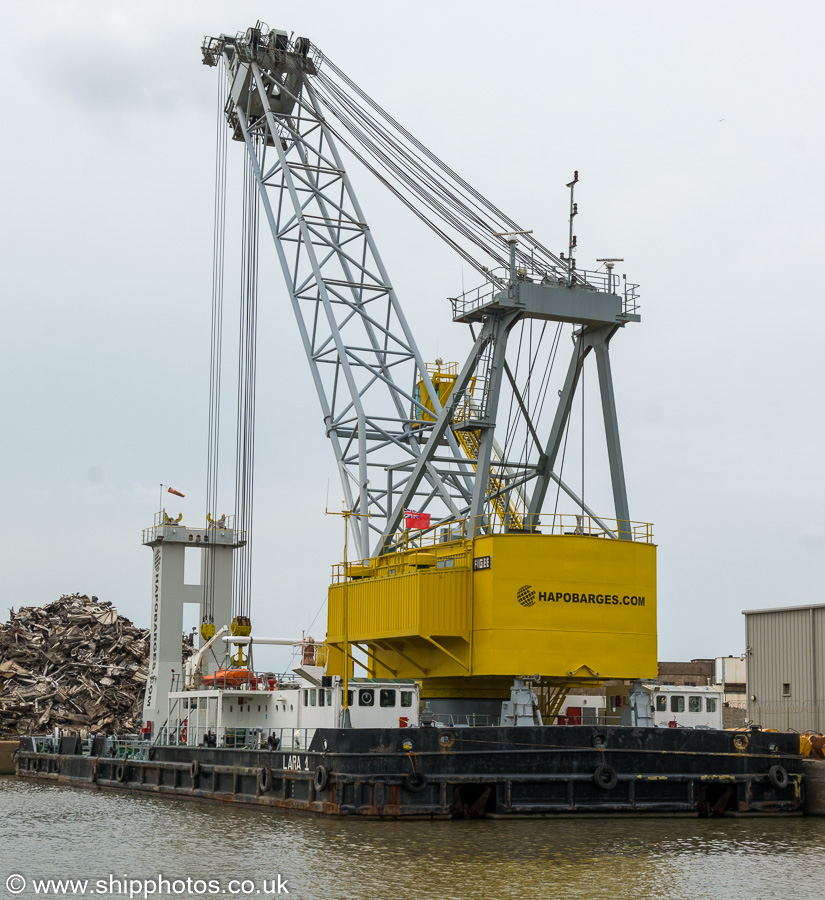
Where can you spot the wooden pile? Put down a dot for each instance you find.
(75, 664)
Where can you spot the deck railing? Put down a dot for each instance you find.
(538, 525)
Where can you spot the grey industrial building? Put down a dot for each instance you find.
(786, 667)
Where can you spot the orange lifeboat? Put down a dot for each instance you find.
(229, 678)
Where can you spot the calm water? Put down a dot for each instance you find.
(48, 832)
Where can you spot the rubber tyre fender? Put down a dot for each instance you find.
(415, 782)
(194, 769)
(121, 773)
(605, 777)
(320, 779)
(778, 777)
(264, 779)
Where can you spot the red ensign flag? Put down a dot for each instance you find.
(413, 519)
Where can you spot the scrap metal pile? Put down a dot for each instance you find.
(75, 664)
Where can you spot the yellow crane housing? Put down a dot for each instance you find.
(466, 615)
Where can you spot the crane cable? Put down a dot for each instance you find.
(216, 340)
(245, 431)
(472, 205)
(414, 184)
(449, 197)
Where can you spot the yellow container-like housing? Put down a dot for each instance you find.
(443, 379)
(467, 616)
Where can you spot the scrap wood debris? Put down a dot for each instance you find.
(75, 664)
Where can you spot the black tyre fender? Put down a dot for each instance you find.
(415, 782)
(194, 769)
(264, 779)
(121, 773)
(321, 778)
(605, 777)
(778, 777)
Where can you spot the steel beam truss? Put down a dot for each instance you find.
(392, 454)
(363, 358)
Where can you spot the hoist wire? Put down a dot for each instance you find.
(544, 386)
(415, 179)
(561, 467)
(216, 341)
(247, 364)
(389, 155)
(532, 356)
(396, 174)
(381, 138)
(512, 420)
(474, 205)
(437, 194)
(581, 378)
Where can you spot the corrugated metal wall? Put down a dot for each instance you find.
(786, 668)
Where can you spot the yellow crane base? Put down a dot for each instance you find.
(467, 616)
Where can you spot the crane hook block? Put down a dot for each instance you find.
(241, 626)
(207, 630)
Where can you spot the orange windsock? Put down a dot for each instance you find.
(176, 493)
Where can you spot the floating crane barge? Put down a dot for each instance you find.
(470, 606)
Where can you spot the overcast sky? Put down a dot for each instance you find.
(698, 132)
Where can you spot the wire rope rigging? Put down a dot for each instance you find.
(207, 627)
(293, 108)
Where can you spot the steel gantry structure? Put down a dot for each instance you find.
(452, 453)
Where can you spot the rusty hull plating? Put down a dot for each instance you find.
(468, 772)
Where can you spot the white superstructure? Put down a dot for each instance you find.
(687, 706)
(263, 714)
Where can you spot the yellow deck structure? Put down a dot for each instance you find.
(466, 615)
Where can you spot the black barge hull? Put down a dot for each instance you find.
(467, 772)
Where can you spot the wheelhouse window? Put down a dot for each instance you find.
(677, 703)
(710, 704)
(312, 697)
(386, 697)
(350, 698)
(366, 697)
(322, 697)
(306, 697)
(406, 698)
(661, 703)
(695, 704)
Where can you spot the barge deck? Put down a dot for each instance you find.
(483, 772)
